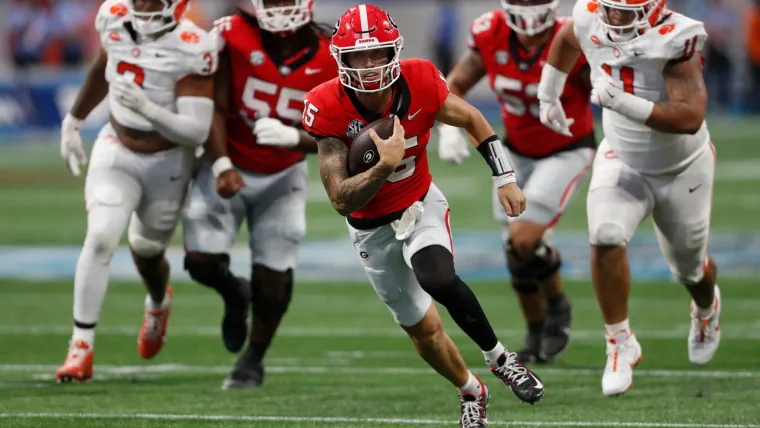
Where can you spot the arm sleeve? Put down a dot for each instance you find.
(190, 126)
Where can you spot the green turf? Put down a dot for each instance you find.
(42, 203)
(339, 354)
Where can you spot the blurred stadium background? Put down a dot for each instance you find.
(337, 332)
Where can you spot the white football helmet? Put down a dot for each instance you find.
(530, 17)
(285, 17)
(148, 23)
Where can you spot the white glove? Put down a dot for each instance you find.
(607, 94)
(453, 147)
(405, 225)
(272, 132)
(131, 95)
(72, 150)
(553, 116)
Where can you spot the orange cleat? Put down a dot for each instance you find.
(78, 364)
(153, 331)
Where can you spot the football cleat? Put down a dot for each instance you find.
(704, 335)
(623, 354)
(248, 372)
(78, 364)
(523, 382)
(556, 334)
(530, 351)
(153, 331)
(474, 409)
(235, 321)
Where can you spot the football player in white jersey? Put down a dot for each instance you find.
(656, 159)
(155, 68)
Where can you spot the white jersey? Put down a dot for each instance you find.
(156, 65)
(638, 64)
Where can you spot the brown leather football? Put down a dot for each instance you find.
(363, 155)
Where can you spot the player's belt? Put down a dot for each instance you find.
(373, 223)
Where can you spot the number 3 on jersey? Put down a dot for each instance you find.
(126, 69)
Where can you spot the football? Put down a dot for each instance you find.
(363, 155)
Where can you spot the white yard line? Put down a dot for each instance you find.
(379, 421)
(44, 371)
(738, 331)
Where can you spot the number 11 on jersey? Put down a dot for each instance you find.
(625, 75)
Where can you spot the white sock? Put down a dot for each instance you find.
(617, 328)
(90, 286)
(492, 355)
(86, 335)
(472, 386)
(105, 224)
(153, 306)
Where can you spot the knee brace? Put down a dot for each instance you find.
(533, 268)
(272, 292)
(609, 233)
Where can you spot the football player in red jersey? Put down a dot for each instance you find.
(398, 220)
(510, 46)
(254, 170)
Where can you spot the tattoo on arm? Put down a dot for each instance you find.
(684, 110)
(347, 194)
(466, 73)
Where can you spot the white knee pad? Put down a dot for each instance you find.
(609, 232)
(145, 247)
(145, 241)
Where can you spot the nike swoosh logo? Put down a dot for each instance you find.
(539, 385)
(412, 116)
(692, 189)
(310, 71)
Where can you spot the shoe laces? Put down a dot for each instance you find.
(512, 370)
(702, 327)
(472, 413)
(152, 324)
(76, 353)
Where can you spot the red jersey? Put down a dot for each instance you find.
(264, 84)
(419, 93)
(514, 75)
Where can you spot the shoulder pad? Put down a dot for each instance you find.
(110, 11)
(482, 29)
(677, 37)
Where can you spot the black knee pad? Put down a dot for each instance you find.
(207, 270)
(538, 266)
(434, 270)
(272, 293)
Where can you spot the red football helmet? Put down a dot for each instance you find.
(530, 17)
(363, 28)
(148, 23)
(283, 18)
(644, 14)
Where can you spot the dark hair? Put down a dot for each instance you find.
(315, 28)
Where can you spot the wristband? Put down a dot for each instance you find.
(220, 165)
(496, 157)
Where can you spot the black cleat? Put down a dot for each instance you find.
(474, 409)
(523, 382)
(529, 353)
(556, 334)
(247, 373)
(235, 321)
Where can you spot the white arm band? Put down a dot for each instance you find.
(190, 126)
(636, 108)
(552, 83)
